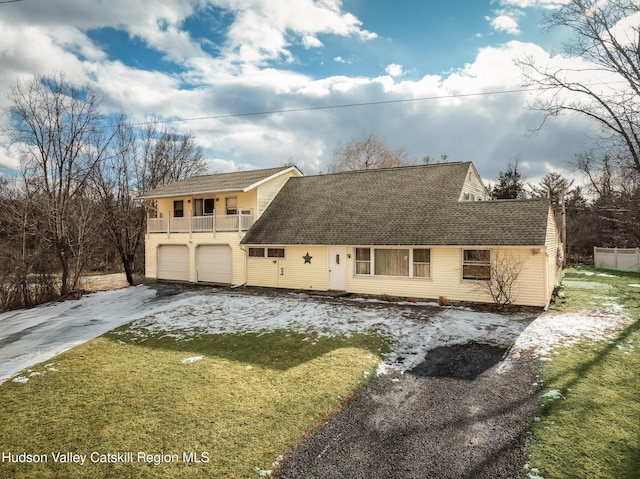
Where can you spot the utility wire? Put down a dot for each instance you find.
(351, 105)
(346, 105)
(10, 1)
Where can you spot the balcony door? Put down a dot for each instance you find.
(203, 206)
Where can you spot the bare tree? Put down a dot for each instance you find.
(57, 126)
(612, 51)
(138, 160)
(502, 283)
(368, 152)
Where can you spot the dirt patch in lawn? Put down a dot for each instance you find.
(456, 415)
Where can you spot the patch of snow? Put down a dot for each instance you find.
(191, 359)
(606, 275)
(553, 395)
(20, 379)
(634, 285)
(249, 368)
(552, 330)
(589, 285)
(414, 331)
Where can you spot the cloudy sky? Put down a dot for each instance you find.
(208, 63)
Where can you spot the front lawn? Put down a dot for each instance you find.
(589, 425)
(232, 402)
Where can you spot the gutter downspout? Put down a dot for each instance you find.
(246, 266)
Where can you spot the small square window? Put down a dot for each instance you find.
(275, 252)
(256, 252)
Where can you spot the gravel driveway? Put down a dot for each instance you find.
(462, 413)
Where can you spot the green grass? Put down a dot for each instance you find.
(248, 399)
(592, 427)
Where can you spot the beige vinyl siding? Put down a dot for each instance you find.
(553, 248)
(246, 201)
(268, 191)
(192, 241)
(446, 279)
(291, 271)
(473, 185)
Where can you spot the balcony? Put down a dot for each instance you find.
(200, 224)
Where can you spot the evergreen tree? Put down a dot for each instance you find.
(510, 183)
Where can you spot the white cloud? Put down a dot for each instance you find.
(505, 23)
(548, 4)
(252, 71)
(309, 41)
(394, 70)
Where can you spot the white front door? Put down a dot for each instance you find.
(338, 268)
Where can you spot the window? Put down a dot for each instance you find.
(392, 262)
(232, 205)
(275, 252)
(476, 264)
(208, 206)
(421, 263)
(406, 262)
(202, 207)
(363, 260)
(178, 209)
(256, 252)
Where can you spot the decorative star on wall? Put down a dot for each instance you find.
(307, 258)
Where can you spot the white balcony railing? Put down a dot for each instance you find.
(200, 224)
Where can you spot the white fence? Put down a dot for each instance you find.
(617, 258)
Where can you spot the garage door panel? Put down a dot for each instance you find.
(173, 262)
(213, 263)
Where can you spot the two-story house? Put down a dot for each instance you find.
(425, 231)
(195, 226)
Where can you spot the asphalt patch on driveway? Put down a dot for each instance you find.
(462, 413)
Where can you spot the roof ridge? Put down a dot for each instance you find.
(240, 171)
(513, 200)
(391, 168)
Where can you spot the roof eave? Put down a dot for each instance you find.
(269, 178)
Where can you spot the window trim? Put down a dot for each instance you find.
(371, 262)
(265, 251)
(227, 209)
(464, 263)
(414, 263)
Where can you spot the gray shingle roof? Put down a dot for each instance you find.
(236, 181)
(398, 206)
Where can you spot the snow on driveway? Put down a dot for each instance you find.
(34, 335)
(29, 336)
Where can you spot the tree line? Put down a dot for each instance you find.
(73, 206)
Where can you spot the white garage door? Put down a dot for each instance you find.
(213, 263)
(173, 262)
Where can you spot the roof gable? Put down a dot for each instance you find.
(219, 182)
